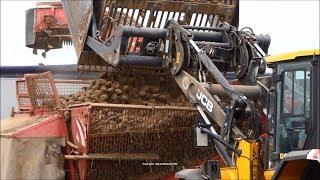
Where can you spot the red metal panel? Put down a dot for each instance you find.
(50, 15)
(79, 128)
(69, 165)
(52, 126)
(92, 141)
(79, 120)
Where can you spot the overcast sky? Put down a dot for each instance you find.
(292, 25)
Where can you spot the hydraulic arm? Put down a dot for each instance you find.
(183, 50)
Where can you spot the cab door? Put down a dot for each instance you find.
(292, 106)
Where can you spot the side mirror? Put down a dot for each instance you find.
(201, 138)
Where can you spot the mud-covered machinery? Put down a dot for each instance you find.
(95, 140)
(196, 37)
(189, 37)
(32, 138)
(198, 42)
(137, 33)
(46, 27)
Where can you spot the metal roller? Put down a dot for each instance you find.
(248, 91)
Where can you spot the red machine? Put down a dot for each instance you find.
(36, 133)
(38, 98)
(102, 150)
(88, 147)
(46, 27)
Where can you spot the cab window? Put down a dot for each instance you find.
(295, 110)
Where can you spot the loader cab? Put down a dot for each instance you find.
(290, 103)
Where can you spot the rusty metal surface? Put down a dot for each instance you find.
(173, 146)
(49, 16)
(18, 122)
(46, 27)
(128, 129)
(26, 126)
(125, 119)
(116, 156)
(109, 14)
(42, 92)
(79, 14)
(64, 88)
(146, 13)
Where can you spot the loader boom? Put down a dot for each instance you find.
(201, 97)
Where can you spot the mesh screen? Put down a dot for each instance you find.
(165, 131)
(64, 88)
(42, 91)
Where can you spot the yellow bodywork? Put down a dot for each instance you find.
(247, 164)
(268, 174)
(291, 55)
